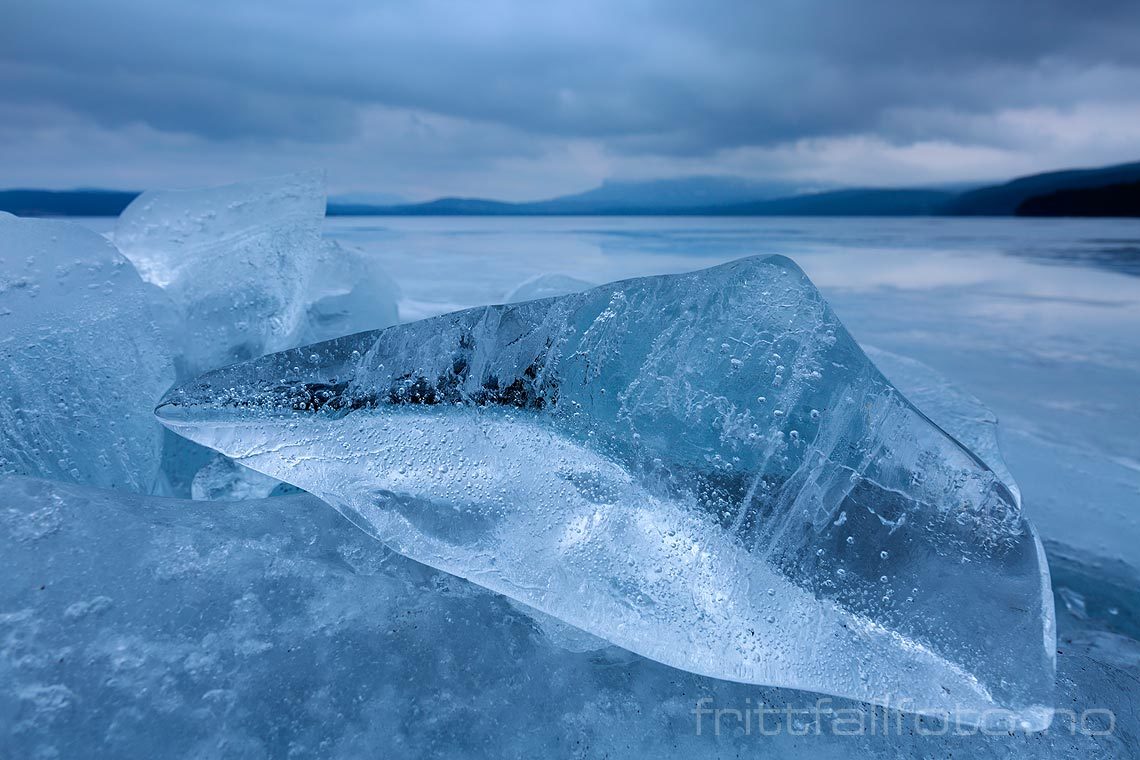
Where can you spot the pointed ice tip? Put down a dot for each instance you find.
(703, 468)
(172, 404)
(165, 410)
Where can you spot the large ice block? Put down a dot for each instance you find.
(84, 348)
(702, 468)
(137, 627)
(249, 270)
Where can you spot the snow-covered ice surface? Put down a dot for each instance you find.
(137, 627)
(702, 468)
(84, 347)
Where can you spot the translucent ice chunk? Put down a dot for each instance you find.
(350, 292)
(701, 468)
(546, 286)
(959, 413)
(235, 259)
(83, 350)
(248, 268)
(137, 627)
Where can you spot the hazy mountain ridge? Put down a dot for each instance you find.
(1119, 200)
(685, 192)
(852, 202)
(733, 196)
(702, 196)
(1004, 199)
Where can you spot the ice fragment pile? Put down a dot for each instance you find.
(248, 272)
(221, 479)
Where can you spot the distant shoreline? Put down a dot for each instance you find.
(1106, 192)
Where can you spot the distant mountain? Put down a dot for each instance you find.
(1003, 200)
(65, 202)
(1110, 200)
(440, 207)
(856, 202)
(956, 188)
(677, 193)
(661, 196)
(1102, 192)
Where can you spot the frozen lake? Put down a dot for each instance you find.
(1038, 318)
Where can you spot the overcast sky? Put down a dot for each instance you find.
(521, 100)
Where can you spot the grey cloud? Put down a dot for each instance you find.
(682, 79)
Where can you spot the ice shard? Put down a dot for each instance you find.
(234, 259)
(702, 468)
(84, 347)
(249, 270)
(349, 292)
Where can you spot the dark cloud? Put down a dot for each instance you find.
(639, 78)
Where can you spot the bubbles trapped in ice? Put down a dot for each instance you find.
(84, 351)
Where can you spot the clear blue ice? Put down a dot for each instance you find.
(642, 503)
(702, 468)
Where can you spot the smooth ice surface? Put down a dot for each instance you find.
(247, 267)
(137, 627)
(701, 468)
(83, 351)
(953, 409)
